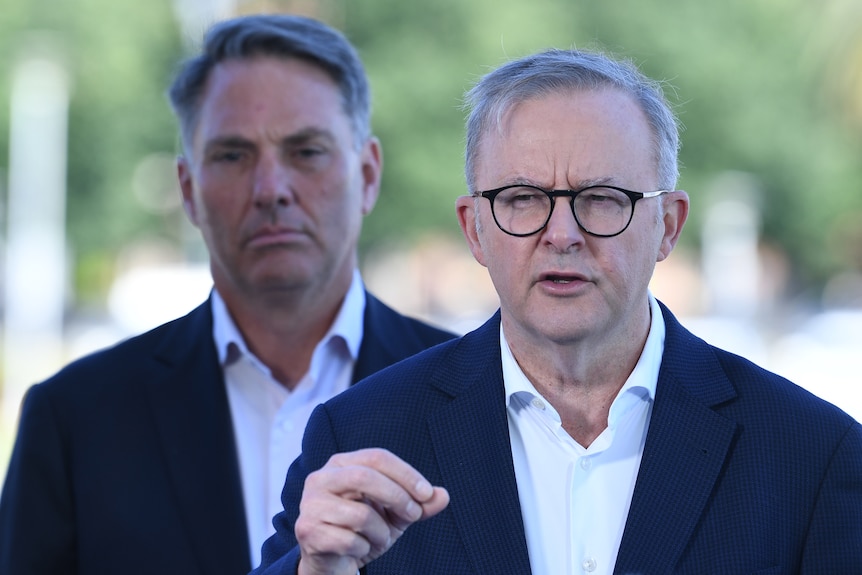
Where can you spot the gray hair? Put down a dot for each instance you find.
(554, 71)
(281, 36)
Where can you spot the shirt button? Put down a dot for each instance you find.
(538, 403)
(586, 463)
(589, 564)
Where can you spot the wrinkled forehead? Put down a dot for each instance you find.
(600, 132)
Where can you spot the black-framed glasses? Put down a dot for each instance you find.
(602, 211)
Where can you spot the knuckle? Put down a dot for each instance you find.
(314, 480)
(338, 460)
(378, 457)
(311, 535)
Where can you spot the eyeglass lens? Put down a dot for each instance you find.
(524, 210)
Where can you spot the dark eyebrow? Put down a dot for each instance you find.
(296, 139)
(308, 134)
(229, 141)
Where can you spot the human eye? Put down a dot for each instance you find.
(226, 153)
(308, 152)
(226, 156)
(309, 156)
(602, 198)
(522, 197)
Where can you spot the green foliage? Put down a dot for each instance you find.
(119, 57)
(762, 86)
(745, 77)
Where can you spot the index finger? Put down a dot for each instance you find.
(390, 465)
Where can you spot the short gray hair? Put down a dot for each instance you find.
(556, 71)
(280, 36)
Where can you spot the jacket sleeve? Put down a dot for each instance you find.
(280, 553)
(37, 518)
(834, 541)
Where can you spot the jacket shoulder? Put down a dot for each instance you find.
(382, 318)
(127, 359)
(736, 385)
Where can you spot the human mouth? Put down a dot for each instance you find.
(561, 277)
(272, 236)
(562, 282)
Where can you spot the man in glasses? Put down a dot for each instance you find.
(582, 429)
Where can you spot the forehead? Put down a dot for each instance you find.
(568, 137)
(264, 91)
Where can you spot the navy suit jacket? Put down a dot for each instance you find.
(125, 460)
(742, 471)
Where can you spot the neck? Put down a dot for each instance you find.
(284, 331)
(581, 379)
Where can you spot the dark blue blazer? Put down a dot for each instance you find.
(742, 471)
(125, 460)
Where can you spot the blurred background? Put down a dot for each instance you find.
(94, 245)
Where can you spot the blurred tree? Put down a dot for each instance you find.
(120, 55)
(764, 87)
(746, 77)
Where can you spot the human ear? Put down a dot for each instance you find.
(372, 168)
(465, 208)
(676, 206)
(184, 175)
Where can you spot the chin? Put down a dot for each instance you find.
(558, 328)
(279, 283)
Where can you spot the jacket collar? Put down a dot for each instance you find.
(187, 397)
(686, 448)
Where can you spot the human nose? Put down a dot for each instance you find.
(562, 230)
(272, 184)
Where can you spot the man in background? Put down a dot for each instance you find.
(582, 429)
(167, 453)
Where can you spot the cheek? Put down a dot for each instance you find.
(210, 209)
(508, 262)
(337, 190)
(213, 188)
(489, 248)
(216, 209)
(336, 208)
(619, 262)
(636, 265)
(337, 202)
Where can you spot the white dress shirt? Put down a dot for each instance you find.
(574, 501)
(268, 419)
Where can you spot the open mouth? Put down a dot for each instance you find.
(561, 279)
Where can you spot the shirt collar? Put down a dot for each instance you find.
(640, 385)
(347, 325)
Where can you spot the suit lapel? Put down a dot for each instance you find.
(685, 451)
(375, 353)
(471, 442)
(191, 413)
